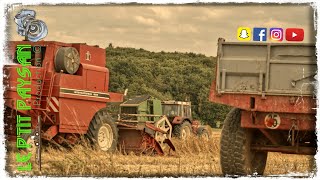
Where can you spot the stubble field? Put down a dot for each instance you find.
(192, 158)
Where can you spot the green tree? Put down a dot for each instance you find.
(166, 76)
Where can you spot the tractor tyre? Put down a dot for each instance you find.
(204, 135)
(236, 157)
(103, 132)
(183, 130)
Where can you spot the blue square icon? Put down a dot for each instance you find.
(259, 34)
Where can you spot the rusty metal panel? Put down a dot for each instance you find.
(240, 65)
(287, 121)
(275, 103)
(130, 140)
(292, 69)
(270, 69)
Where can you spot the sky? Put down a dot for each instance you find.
(182, 28)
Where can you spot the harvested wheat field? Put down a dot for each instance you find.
(193, 158)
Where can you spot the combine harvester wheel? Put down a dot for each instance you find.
(103, 132)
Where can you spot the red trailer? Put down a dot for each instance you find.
(271, 87)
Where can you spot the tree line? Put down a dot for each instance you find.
(166, 76)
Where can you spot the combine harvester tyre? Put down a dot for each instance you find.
(236, 158)
(103, 132)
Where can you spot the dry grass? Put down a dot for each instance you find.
(193, 158)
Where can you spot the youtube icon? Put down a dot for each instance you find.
(294, 34)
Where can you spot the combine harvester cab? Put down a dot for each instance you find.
(271, 87)
(142, 127)
(63, 88)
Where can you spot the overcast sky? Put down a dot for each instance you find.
(184, 28)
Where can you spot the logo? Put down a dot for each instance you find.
(30, 27)
(294, 34)
(244, 34)
(276, 34)
(88, 56)
(260, 34)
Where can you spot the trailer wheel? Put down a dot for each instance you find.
(103, 132)
(183, 130)
(236, 158)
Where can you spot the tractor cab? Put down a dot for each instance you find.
(174, 109)
(179, 115)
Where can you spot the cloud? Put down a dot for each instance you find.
(216, 13)
(146, 21)
(154, 30)
(161, 12)
(180, 30)
(274, 23)
(200, 18)
(112, 29)
(169, 28)
(188, 28)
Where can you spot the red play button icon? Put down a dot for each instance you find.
(294, 34)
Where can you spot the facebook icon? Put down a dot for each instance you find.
(260, 34)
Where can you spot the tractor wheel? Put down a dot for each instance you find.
(236, 158)
(103, 132)
(183, 130)
(204, 135)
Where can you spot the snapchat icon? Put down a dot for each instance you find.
(244, 34)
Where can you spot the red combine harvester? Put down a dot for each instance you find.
(271, 87)
(63, 88)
